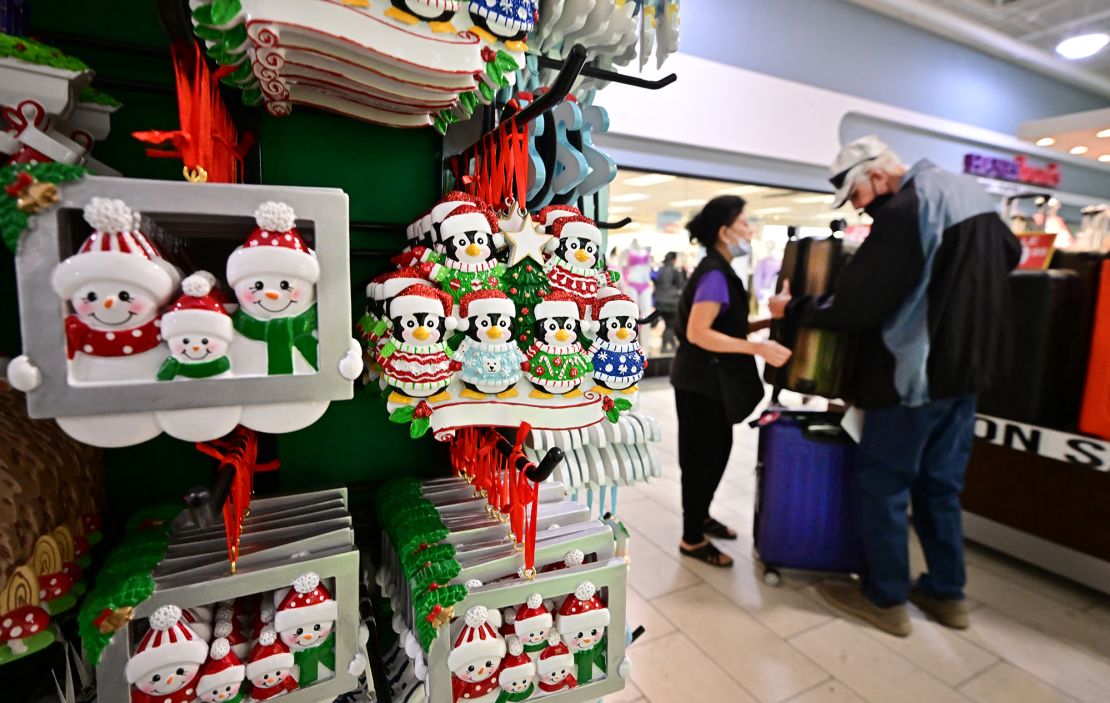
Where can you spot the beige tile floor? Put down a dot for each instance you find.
(723, 635)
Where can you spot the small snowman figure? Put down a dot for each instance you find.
(116, 283)
(517, 676)
(617, 357)
(198, 332)
(476, 659)
(221, 677)
(574, 265)
(488, 359)
(270, 669)
(470, 262)
(164, 668)
(533, 625)
(581, 622)
(556, 362)
(416, 360)
(556, 667)
(304, 621)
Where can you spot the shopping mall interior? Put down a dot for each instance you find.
(574, 351)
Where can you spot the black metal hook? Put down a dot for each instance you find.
(612, 76)
(614, 225)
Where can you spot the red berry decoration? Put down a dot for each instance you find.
(541, 371)
(573, 372)
(524, 311)
(512, 291)
(529, 268)
(422, 410)
(488, 54)
(558, 361)
(607, 403)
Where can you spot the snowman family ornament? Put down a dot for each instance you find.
(270, 669)
(164, 668)
(305, 620)
(221, 677)
(489, 360)
(616, 355)
(555, 667)
(476, 659)
(517, 676)
(116, 284)
(416, 361)
(556, 362)
(198, 333)
(581, 622)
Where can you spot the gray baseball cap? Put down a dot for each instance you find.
(851, 162)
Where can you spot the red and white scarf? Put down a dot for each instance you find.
(568, 683)
(82, 338)
(467, 691)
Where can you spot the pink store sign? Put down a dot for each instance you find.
(1017, 170)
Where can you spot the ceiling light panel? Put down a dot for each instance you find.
(648, 180)
(630, 197)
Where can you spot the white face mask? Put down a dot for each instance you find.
(741, 248)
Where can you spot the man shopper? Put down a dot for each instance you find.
(928, 295)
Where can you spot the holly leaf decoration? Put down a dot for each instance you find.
(613, 415)
(419, 427)
(506, 62)
(402, 415)
(495, 73)
(486, 91)
(13, 220)
(622, 404)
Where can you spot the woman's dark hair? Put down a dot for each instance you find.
(670, 257)
(719, 212)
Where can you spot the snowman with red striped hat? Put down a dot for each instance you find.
(115, 284)
(475, 661)
(165, 665)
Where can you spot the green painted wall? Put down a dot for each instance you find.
(391, 176)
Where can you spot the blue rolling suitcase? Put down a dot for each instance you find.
(803, 516)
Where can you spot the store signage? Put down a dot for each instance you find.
(1036, 250)
(1016, 170)
(1079, 450)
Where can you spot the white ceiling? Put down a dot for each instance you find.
(1040, 23)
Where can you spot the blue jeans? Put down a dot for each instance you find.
(917, 454)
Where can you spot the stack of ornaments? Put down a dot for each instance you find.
(133, 317)
(253, 649)
(50, 112)
(50, 492)
(400, 63)
(261, 644)
(469, 615)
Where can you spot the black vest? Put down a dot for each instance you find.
(728, 376)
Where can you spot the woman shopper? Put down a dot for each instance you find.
(716, 382)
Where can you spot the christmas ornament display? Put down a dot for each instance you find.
(618, 361)
(167, 660)
(576, 258)
(304, 621)
(556, 362)
(124, 294)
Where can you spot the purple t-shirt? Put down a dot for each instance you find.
(712, 288)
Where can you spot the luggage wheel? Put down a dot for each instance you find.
(772, 577)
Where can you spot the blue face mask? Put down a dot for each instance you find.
(743, 248)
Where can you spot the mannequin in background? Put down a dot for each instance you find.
(636, 277)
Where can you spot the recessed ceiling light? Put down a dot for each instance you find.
(1077, 150)
(770, 211)
(1082, 46)
(650, 179)
(810, 199)
(629, 197)
(1103, 134)
(620, 209)
(1105, 158)
(692, 202)
(1046, 141)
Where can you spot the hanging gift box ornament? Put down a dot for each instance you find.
(488, 359)
(416, 361)
(616, 355)
(557, 365)
(470, 263)
(270, 669)
(304, 621)
(221, 677)
(581, 622)
(476, 659)
(165, 666)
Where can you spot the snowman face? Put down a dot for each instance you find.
(553, 677)
(535, 636)
(619, 329)
(272, 296)
(517, 683)
(307, 636)
(421, 329)
(558, 331)
(270, 678)
(478, 669)
(578, 252)
(220, 693)
(168, 679)
(111, 305)
(492, 328)
(192, 348)
(583, 639)
(472, 247)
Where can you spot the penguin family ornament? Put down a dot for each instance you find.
(557, 365)
(575, 262)
(616, 355)
(470, 262)
(488, 359)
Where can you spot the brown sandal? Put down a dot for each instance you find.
(709, 554)
(718, 530)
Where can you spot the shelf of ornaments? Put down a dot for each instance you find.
(457, 407)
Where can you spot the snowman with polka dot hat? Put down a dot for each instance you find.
(555, 667)
(581, 622)
(165, 665)
(115, 284)
(532, 625)
(475, 660)
(198, 333)
(274, 275)
(270, 669)
(305, 622)
(221, 677)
